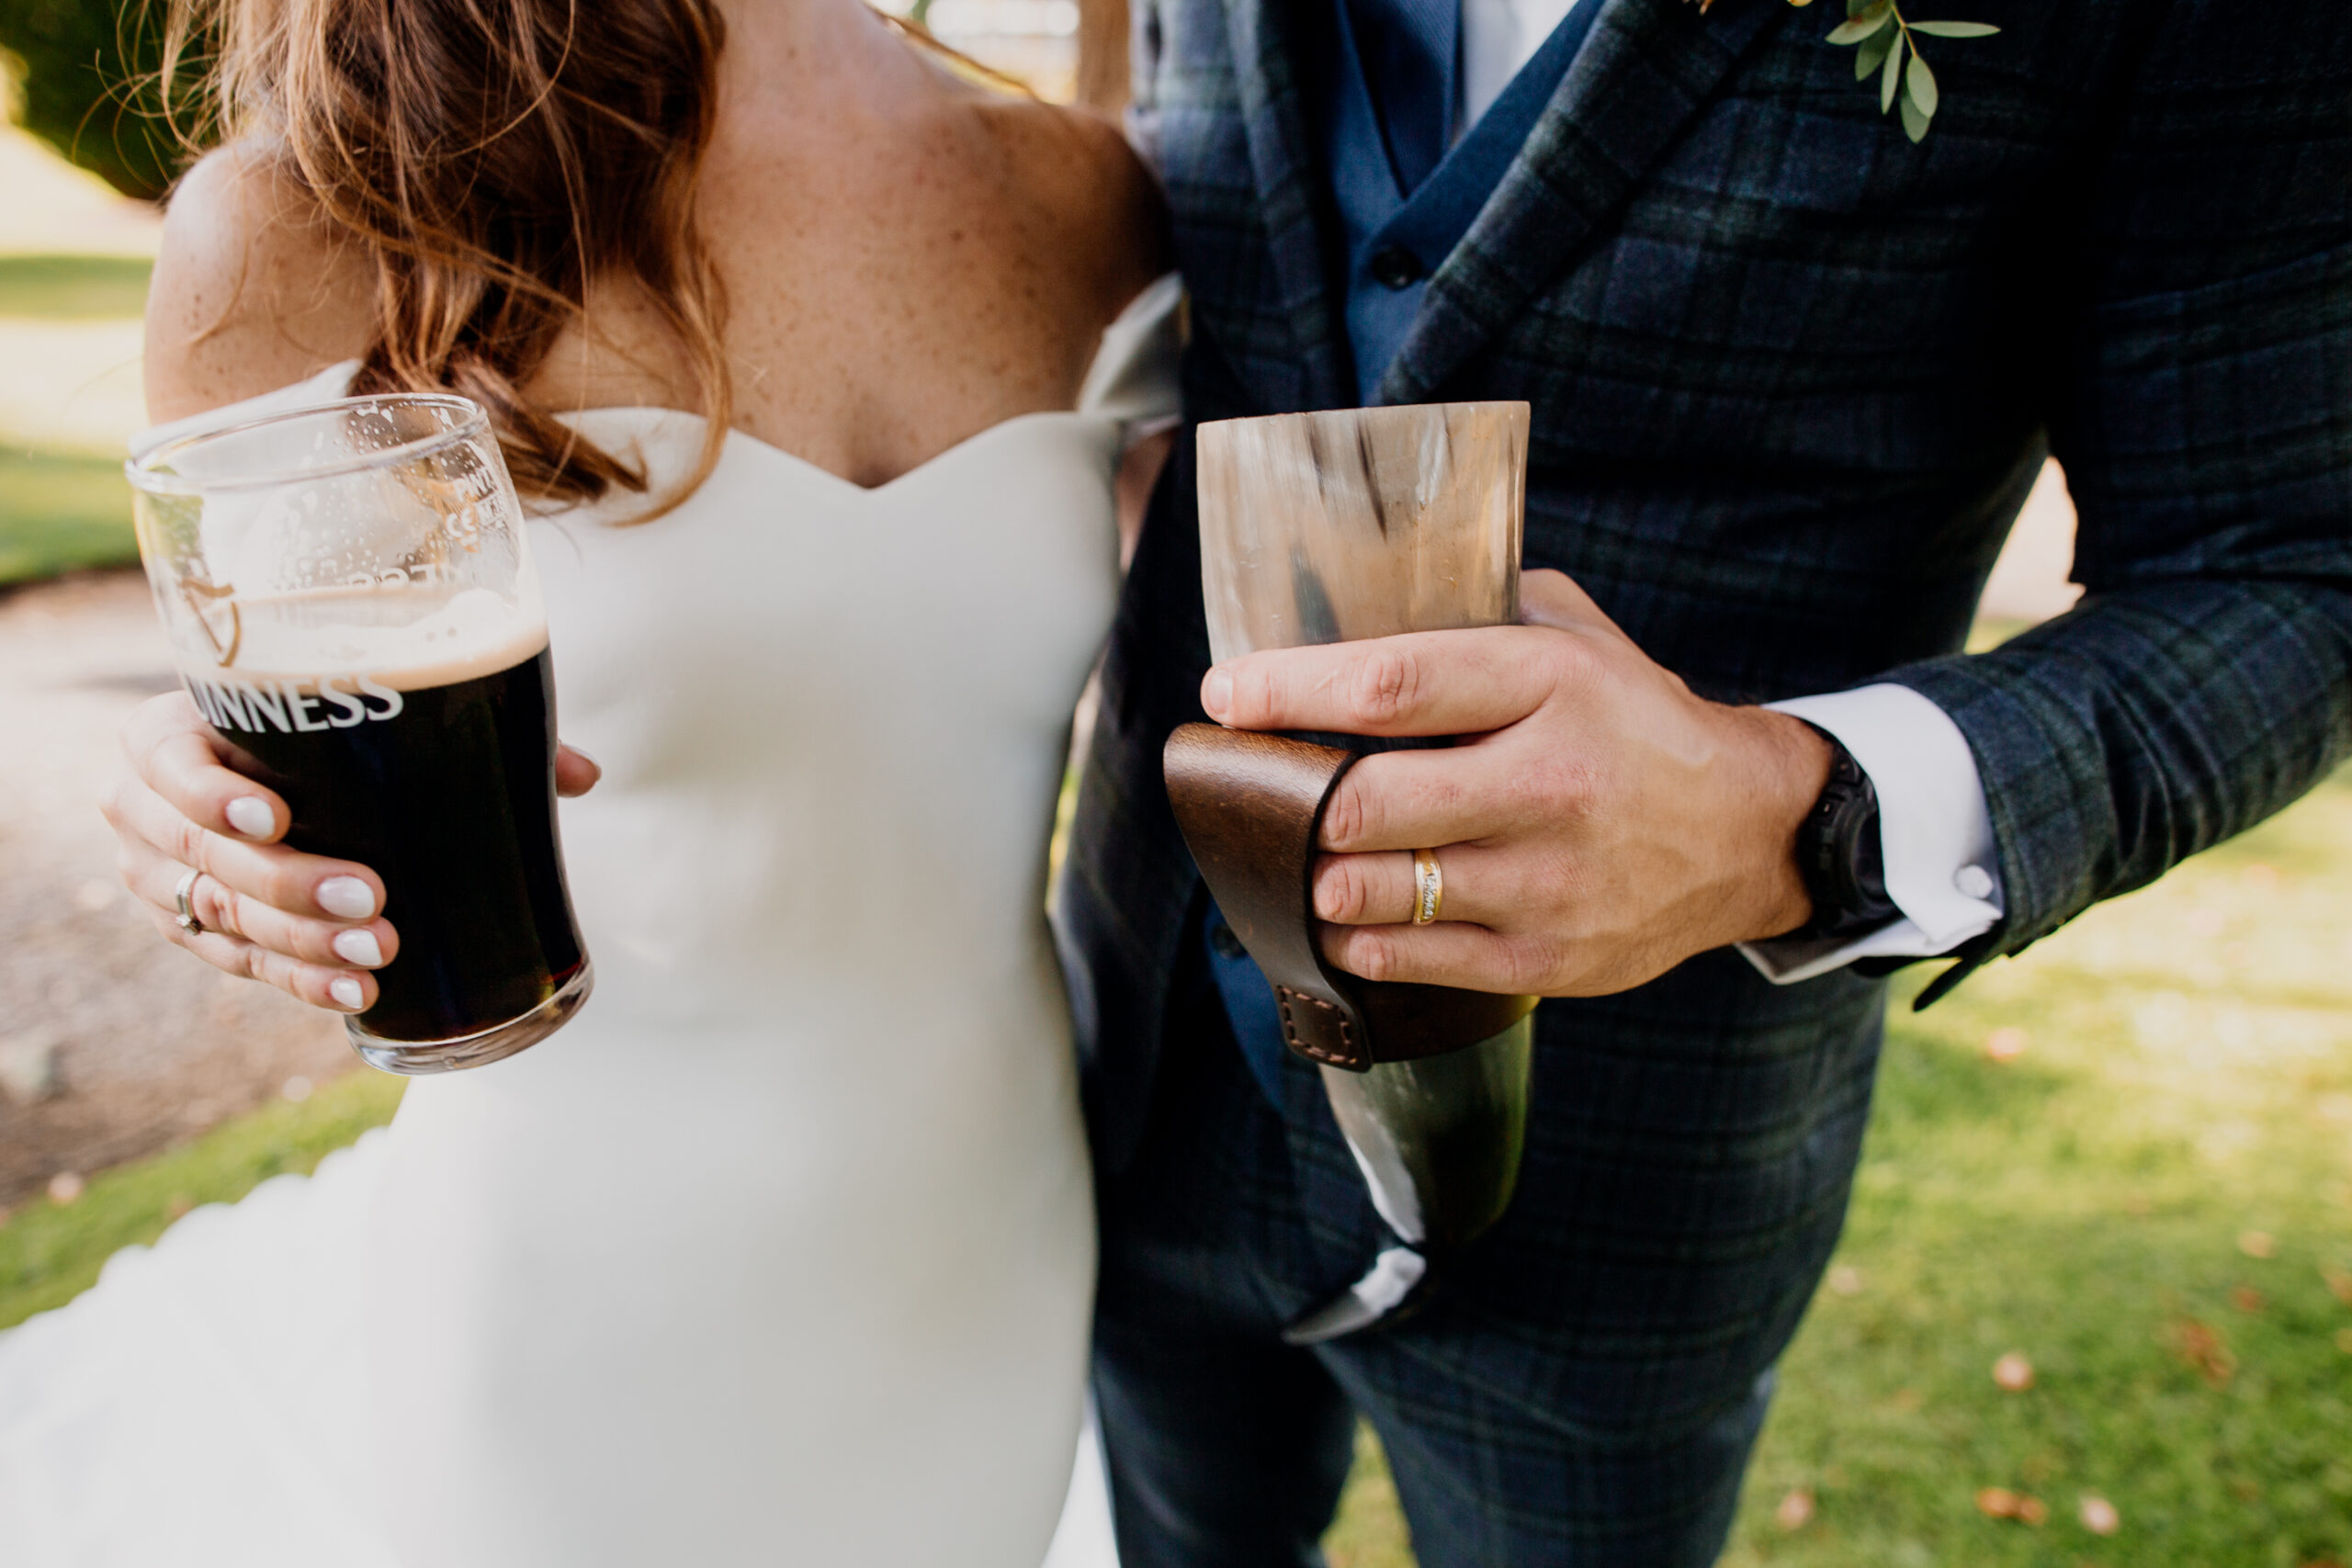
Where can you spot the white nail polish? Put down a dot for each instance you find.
(252, 815)
(358, 947)
(345, 990)
(346, 898)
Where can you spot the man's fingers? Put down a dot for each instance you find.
(179, 758)
(1447, 954)
(1461, 682)
(1415, 800)
(285, 879)
(1478, 886)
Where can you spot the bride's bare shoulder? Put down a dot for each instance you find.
(1099, 200)
(254, 286)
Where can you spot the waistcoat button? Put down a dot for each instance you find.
(1394, 266)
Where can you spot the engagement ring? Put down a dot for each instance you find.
(187, 920)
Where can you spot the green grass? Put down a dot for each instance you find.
(50, 1254)
(2185, 1078)
(74, 288)
(1370, 1531)
(61, 513)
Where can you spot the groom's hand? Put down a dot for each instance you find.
(1598, 825)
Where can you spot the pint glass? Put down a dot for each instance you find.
(1365, 523)
(348, 593)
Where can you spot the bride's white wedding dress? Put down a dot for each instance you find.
(782, 1253)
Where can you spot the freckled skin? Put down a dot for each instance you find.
(909, 259)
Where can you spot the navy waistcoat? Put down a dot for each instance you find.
(1396, 237)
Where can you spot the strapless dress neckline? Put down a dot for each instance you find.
(781, 1251)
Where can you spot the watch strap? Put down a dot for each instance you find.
(1840, 855)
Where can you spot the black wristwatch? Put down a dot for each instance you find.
(1839, 854)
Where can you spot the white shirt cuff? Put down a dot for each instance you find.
(1934, 831)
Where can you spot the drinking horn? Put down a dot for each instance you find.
(1429, 1084)
(1331, 526)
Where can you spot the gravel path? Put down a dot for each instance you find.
(140, 1044)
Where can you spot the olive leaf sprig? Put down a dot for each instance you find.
(1881, 37)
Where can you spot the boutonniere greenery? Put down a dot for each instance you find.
(1886, 45)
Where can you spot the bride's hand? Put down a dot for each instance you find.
(309, 925)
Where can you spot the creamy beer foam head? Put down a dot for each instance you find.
(348, 589)
(388, 635)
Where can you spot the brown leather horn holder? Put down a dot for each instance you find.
(1251, 806)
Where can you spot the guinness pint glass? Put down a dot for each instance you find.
(348, 588)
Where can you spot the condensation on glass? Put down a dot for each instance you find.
(348, 593)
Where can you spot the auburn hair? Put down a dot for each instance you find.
(496, 158)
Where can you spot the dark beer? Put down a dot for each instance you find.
(441, 779)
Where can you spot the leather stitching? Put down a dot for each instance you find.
(1284, 997)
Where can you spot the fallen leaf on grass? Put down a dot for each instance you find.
(2201, 1346)
(2257, 1244)
(2339, 1283)
(2013, 1373)
(1794, 1510)
(64, 1187)
(2005, 1044)
(2000, 1503)
(2245, 1298)
(1846, 1280)
(1907, 1399)
(2099, 1515)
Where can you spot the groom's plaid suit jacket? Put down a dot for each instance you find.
(1792, 377)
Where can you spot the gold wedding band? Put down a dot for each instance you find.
(1428, 887)
(187, 921)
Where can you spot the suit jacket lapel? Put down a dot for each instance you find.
(1649, 66)
(1292, 198)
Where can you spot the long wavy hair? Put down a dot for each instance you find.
(496, 158)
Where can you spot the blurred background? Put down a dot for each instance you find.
(2094, 1304)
